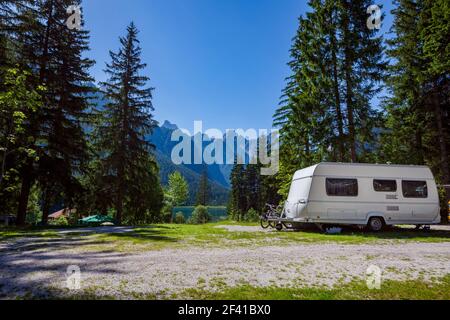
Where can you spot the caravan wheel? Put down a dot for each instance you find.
(376, 224)
(279, 227)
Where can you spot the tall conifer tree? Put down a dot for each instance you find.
(128, 167)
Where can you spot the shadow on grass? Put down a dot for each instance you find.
(144, 234)
(389, 233)
(30, 265)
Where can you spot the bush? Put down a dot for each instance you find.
(200, 215)
(60, 222)
(34, 218)
(252, 216)
(166, 214)
(179, 218)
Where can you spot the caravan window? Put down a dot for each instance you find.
(342, 187)
(385, 185)
(415, 189)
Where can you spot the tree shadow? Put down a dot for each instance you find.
(389, 233)
(149, 233)
(29, 263)
(27, 271)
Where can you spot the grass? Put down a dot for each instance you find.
(158, 237)
(211, 235)
(439, 289)
(14, 233)
(357, 290)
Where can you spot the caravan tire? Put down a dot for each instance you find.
(376, 224)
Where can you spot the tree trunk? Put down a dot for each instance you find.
(24, 193)
(337, 95)
(3, 167)
(444, 161)
(119, 208)
(419, 147)
(348, 82)
(46, 207)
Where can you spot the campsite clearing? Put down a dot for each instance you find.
(224, 260)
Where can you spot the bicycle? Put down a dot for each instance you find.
(268, 219)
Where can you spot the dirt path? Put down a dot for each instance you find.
(161, 273)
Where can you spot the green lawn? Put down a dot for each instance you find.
(390, 290)
(438, 289)
(212, 235)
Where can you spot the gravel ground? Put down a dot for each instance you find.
(29, 272)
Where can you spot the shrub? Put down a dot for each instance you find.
(60, 222)
(166, 214)
(252, 216)
(179, 218)
(200, 215)
(33, 218)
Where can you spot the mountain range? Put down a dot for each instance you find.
(161, 138)
(218, 175)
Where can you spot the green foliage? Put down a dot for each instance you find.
(60, 222)
(218, 194)
(200, 215)
(204, 191)
(34, 211)
(252, 216)
(238, 198)
(417, 122)
(251, 191)
(325, 113)
(129, 173)
(177, 192)
(216, 213)
(179, 218)
(17, 102)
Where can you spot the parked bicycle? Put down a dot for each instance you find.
(269, 219)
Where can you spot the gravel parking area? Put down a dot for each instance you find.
(25, 272)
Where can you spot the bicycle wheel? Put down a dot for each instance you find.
(265, 224)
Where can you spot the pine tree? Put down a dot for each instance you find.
(127, 120)
(306, 117)
(203, 190)
(434, 34)
(362, 69)
(419, 87)
(252, 181)
(238, 197)
(67, 82)
(337, 64)
(40, 43)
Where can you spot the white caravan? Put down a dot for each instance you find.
(364, 195)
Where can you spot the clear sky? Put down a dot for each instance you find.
(219, 61)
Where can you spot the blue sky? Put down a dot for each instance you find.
(219, 61)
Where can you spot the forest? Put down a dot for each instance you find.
(352, 96)
(57, 146)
